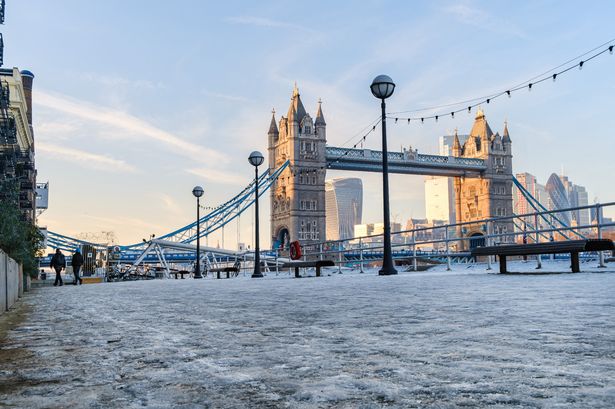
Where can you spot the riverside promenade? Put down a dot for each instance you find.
(434, 339)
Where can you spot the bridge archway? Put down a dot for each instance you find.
(282, 238)
(477, 240)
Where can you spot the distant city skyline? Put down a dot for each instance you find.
(133, 108)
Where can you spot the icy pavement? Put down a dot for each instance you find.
(430, 339)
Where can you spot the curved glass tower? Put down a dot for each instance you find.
(344, 207)
(558, 197)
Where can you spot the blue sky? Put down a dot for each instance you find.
(137, 101)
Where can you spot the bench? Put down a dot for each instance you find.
(306, 264)
(227, 270)
(180, 273)
(574, 247)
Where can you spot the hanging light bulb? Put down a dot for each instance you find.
(452, 115)
(469, 110)
(408, 120)
(611, 50)
(422, 120)
(488, 100)
(396, 120)
(581, 65)
(529, 86)
(554, 77)
(436, 118)
(508, 93)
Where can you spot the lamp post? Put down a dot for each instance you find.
(382, 87)
(198, 192)
(256, 159)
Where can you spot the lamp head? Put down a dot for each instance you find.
(197, 191)
(382, 87)
(256, 158)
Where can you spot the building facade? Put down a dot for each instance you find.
(343, 207)
(491, 194)
(298, 196)
(17, 137)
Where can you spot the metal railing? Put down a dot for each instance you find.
(452, 242)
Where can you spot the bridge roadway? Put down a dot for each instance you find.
(406, 162)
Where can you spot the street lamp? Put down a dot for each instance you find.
(256, 159)
(382, 87)
(198, 192)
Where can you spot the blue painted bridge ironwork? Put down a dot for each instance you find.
(406, 162)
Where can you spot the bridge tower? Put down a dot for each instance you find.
(491, 194)
(298, 196)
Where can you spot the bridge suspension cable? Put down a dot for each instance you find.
(536, 205)
(212, 221)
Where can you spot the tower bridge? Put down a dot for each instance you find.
(299, 159)
(481, 166)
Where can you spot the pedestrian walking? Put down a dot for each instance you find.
(76, 263)
(58, 263)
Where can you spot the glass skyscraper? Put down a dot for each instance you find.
(344, 207)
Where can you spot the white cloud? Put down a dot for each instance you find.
(171, 205)
(265, 22)
(105, 223)
(87, 159)
(116, 81)
(132, 125)
(221, 176)
(232, 98)
(467, 14)
(482, 19)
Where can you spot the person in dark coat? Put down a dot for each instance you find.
(76, 263)
(58, 263)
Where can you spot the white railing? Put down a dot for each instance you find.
(451, 242)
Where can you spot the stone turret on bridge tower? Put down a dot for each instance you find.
(298, 196)
(491, 194)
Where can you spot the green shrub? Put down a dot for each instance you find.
(19, 239)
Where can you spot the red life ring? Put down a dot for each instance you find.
(295, 250)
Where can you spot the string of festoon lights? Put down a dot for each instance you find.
(359, 141)
(468, 105)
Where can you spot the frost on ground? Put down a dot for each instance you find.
(432, 339)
